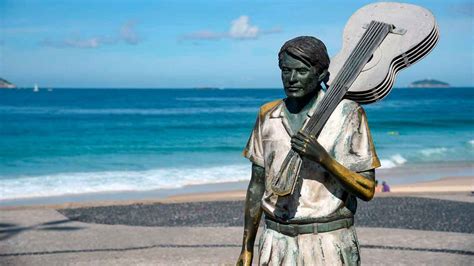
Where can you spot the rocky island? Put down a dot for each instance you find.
(429, 83)
(4, 84)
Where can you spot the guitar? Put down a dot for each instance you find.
(413, 36)
(379, 40)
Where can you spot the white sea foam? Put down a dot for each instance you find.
(471, 143)
(110, 181)
(394, 161)
(127, 111)
(434, 151)
(168, 111)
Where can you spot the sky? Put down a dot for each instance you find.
(188, 44)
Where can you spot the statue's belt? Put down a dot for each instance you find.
(311, 228)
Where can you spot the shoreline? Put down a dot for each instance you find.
(444, 184)
(402, 175)
(407, 174)
(215, 192)
(126, 197)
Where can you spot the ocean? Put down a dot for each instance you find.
(72, 141)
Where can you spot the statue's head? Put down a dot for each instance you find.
(303, 62)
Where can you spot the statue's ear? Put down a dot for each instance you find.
(323, 75)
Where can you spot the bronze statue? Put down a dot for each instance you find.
(312, 153)
(313, 225)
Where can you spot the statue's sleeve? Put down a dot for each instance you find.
(356, 149)
(254, 149)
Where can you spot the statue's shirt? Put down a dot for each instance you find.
(319, 197)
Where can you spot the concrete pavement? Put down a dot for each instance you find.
(42, 236)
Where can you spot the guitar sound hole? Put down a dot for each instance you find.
(370, 58)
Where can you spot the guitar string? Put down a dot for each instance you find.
(367, 37)
(369, 34)
(337, 90)
(422, 45)
(341, 78)
(341, 75)
(339, 94)
(381, 90)
(346, 75)
(334, 97)
(340, 89)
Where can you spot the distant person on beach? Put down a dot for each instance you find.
(378, 187)
(385, 187)
(313, 225)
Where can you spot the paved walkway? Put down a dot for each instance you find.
(45, 237)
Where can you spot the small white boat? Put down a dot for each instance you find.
(36, 88)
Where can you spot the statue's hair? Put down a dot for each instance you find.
(308, 49)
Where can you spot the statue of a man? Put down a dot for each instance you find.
(314, 224)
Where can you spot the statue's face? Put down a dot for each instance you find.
(298, 78)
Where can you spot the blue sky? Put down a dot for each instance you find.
(176, 44)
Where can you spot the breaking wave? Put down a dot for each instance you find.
(123, 111)
(434, 151)
(113, 181)
(393, 161)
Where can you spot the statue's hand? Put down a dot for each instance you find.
(245, 258)
(308, 146)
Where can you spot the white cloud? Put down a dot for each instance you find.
(86, 43)
(240, 29)
(126, 34)
(78, 42)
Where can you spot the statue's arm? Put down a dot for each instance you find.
(362, 185)
(253, 213)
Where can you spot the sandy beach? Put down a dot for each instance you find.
(439, 186)
(445, 184)
(215, 192)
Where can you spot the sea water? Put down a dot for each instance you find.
(71, 141)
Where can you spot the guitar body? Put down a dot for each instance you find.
(414, 35)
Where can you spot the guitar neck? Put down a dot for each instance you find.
(370, 40)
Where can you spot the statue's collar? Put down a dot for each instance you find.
(278, 112)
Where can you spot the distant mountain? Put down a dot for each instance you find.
(4, 84)
(429, 83)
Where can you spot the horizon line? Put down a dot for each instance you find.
(200, 88)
